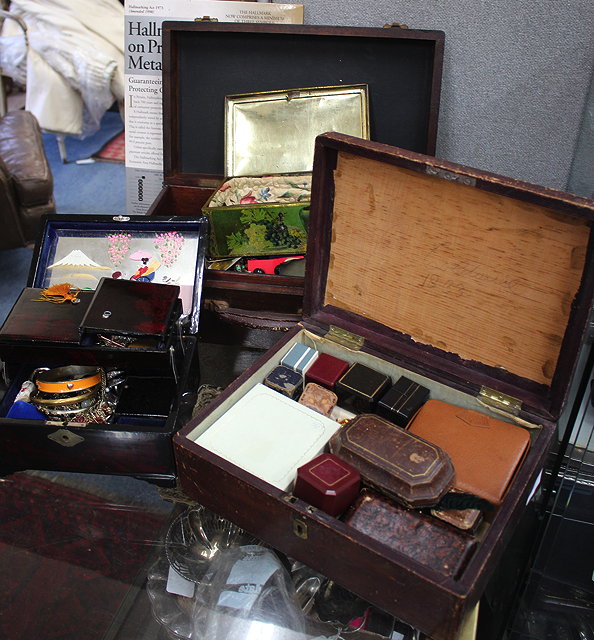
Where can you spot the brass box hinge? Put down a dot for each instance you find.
(395, 25)
(345, 338)
(500, 401)
(206, 19)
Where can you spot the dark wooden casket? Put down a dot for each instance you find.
(160, 377)
(205, 61)
(478, 287)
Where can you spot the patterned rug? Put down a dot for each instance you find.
(114, 150)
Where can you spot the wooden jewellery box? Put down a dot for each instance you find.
(477, 287)
(138, 336)
(204, 62)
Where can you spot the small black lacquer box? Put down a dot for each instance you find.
(402, 401)
(360, 388)
(285, 381)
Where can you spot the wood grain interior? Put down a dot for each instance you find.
(471, 272)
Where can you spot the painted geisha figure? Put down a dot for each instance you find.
(145, 272)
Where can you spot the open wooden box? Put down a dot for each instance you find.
(205, 61)
(475, 285)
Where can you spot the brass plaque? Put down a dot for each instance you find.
(274, 132)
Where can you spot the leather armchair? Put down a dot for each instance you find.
(26, 181)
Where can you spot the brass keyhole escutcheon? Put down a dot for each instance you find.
(300, 529)
(66, 438)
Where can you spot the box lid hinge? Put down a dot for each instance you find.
(206, 19)
(500, 401)
(345, 338)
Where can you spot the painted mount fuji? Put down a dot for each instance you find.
(77, 269)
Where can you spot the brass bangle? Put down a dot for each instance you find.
(80, 397)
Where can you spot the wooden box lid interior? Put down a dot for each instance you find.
(474, 275)
(205, 62)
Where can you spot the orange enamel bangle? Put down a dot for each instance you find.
(66, 386)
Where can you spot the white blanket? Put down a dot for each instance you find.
(74, 65)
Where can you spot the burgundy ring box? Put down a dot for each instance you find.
(326, 371)
(328, 483)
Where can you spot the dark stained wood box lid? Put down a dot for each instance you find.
(477, 279)
(205, 61)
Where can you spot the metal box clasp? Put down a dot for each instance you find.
(66, 438)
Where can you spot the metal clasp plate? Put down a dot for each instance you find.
(66, 438)
(300, 528)
(469, 181)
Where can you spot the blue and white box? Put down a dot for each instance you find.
(300, 358)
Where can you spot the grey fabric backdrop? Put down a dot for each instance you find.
(515, 81)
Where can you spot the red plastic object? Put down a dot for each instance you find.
(268, 265)
(328, 483)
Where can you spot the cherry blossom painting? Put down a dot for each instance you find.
(83, 257)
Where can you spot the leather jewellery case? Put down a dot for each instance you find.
(476, 287)
(100, 349)
(402, 71)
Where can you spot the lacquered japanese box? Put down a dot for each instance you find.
(400, 67)
(99, 350)
(475, 286)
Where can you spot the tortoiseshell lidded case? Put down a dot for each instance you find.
(475, 286)
(141, 278)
